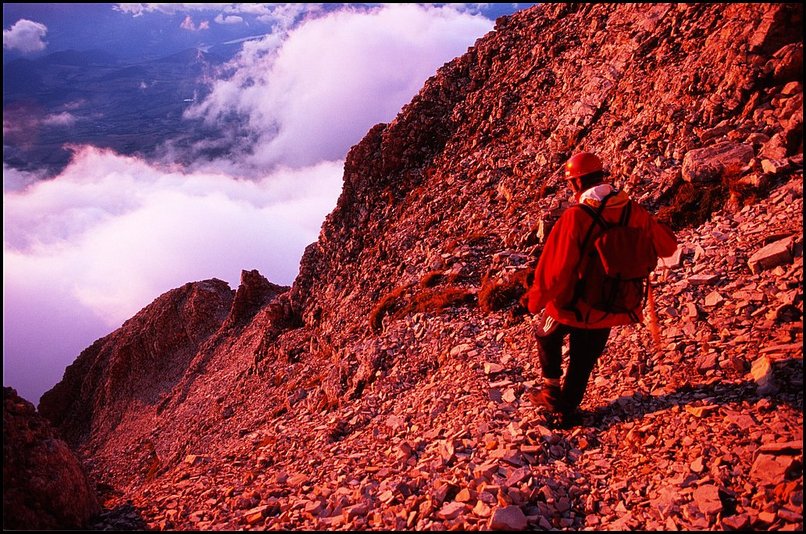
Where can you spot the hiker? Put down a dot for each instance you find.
(559, 288)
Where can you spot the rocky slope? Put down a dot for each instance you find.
(383, 389)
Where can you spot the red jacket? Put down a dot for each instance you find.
(556, 274)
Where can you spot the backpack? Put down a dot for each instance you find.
(617, 263)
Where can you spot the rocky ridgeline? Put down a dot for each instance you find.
(383, 390)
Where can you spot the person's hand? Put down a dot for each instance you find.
(532, 298)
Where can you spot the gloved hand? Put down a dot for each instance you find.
(532, 297)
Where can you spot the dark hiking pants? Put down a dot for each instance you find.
(585, 347)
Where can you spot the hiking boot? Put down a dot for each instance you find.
(571, 419)
(548, 397)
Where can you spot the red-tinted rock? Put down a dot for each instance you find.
(44, 485)
(359, 400)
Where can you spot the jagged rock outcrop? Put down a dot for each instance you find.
(383, 390)
(44, 485)
(126, 374)
(254, 293)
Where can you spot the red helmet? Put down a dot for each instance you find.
(582, 164)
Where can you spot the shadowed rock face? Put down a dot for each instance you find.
(383, 390)
(44, 485)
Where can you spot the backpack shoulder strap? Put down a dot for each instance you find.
(625, 214)
(597, 218)
(596, 214)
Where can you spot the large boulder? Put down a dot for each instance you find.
(710, 164)
(44, 484)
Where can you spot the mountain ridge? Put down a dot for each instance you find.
(382, 389)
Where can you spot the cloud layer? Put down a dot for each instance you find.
(88, 249)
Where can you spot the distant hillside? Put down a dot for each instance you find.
(80, 58)
(382, 391)
(131, 108)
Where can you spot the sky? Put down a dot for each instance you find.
(86, 250)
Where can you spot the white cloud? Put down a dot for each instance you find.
(27, 122)
(188, 24)
(90, 248)
(228, 19)
(316, 93)
(25, 36)
(281, 16)
(59, 119)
